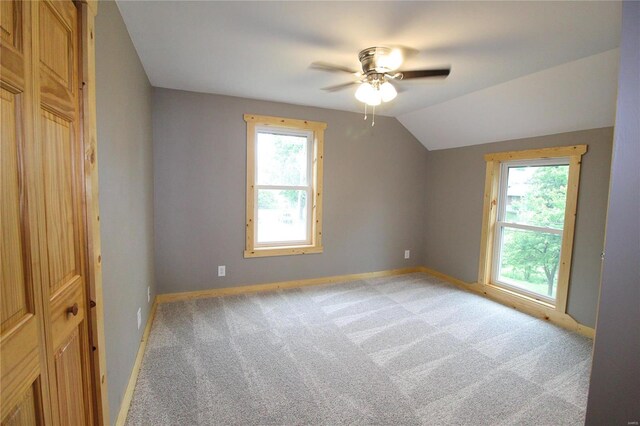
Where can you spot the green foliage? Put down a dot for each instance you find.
(291, 155)
(544, 204)
(283, 162)
(267, 200)
(534, 255)
(294, 197)
(281, 199)
(286, 163)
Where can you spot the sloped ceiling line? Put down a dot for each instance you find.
(578, 95)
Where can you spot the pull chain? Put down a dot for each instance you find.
(373, 115)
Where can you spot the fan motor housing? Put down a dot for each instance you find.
(367, 58)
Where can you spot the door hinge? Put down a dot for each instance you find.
(92, 303)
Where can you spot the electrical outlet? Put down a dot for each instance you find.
(139, 317)
(222, 270)
(407, 254)
(148, 294)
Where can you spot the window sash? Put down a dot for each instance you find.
(504, 184)
(285, 187)
(308, 134)
(530, 227)
(497, 259)
(284, 243)
(307, 188)
(501, 224)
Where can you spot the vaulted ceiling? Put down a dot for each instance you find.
(506, 58)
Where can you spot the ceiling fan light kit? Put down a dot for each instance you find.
(374, 93)
(367, 94)
(379, 65)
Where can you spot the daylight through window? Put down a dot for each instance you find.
(531, 210)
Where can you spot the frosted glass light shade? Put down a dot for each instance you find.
(387, 92)
(368, 94)
(363, 92)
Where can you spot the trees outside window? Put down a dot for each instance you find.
(530, 257)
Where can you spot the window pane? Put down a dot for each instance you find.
(282, 159)
(537, 195)
(282, 215)
(530, 260)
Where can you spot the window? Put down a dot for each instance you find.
(284, 186)
(529, 218)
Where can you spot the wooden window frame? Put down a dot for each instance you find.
(255, 122)
(489, 216)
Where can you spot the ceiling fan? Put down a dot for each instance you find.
(379, 66)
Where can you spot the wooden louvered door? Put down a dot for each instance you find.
(45, 365)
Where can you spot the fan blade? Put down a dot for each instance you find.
(407, 52)
(325, 66)
(339, 86)
(406, 75)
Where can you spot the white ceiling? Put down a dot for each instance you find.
(574, 96)
(262, 50)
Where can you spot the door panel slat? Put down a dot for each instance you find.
(12, 64)
(57, 134)
(62, 323)
(69, 381)
(56, 97)
(12, 266)
(20, 361)
(25, 411)
(55, 43)
(11, 23)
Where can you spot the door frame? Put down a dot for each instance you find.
(88, 9)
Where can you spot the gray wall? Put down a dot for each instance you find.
(126, 194)
(453, 222)
(614, 391)
(374, 194)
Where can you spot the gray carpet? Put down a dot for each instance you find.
(403, 350)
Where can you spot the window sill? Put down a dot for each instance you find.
(282, 251)
(527, 300)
